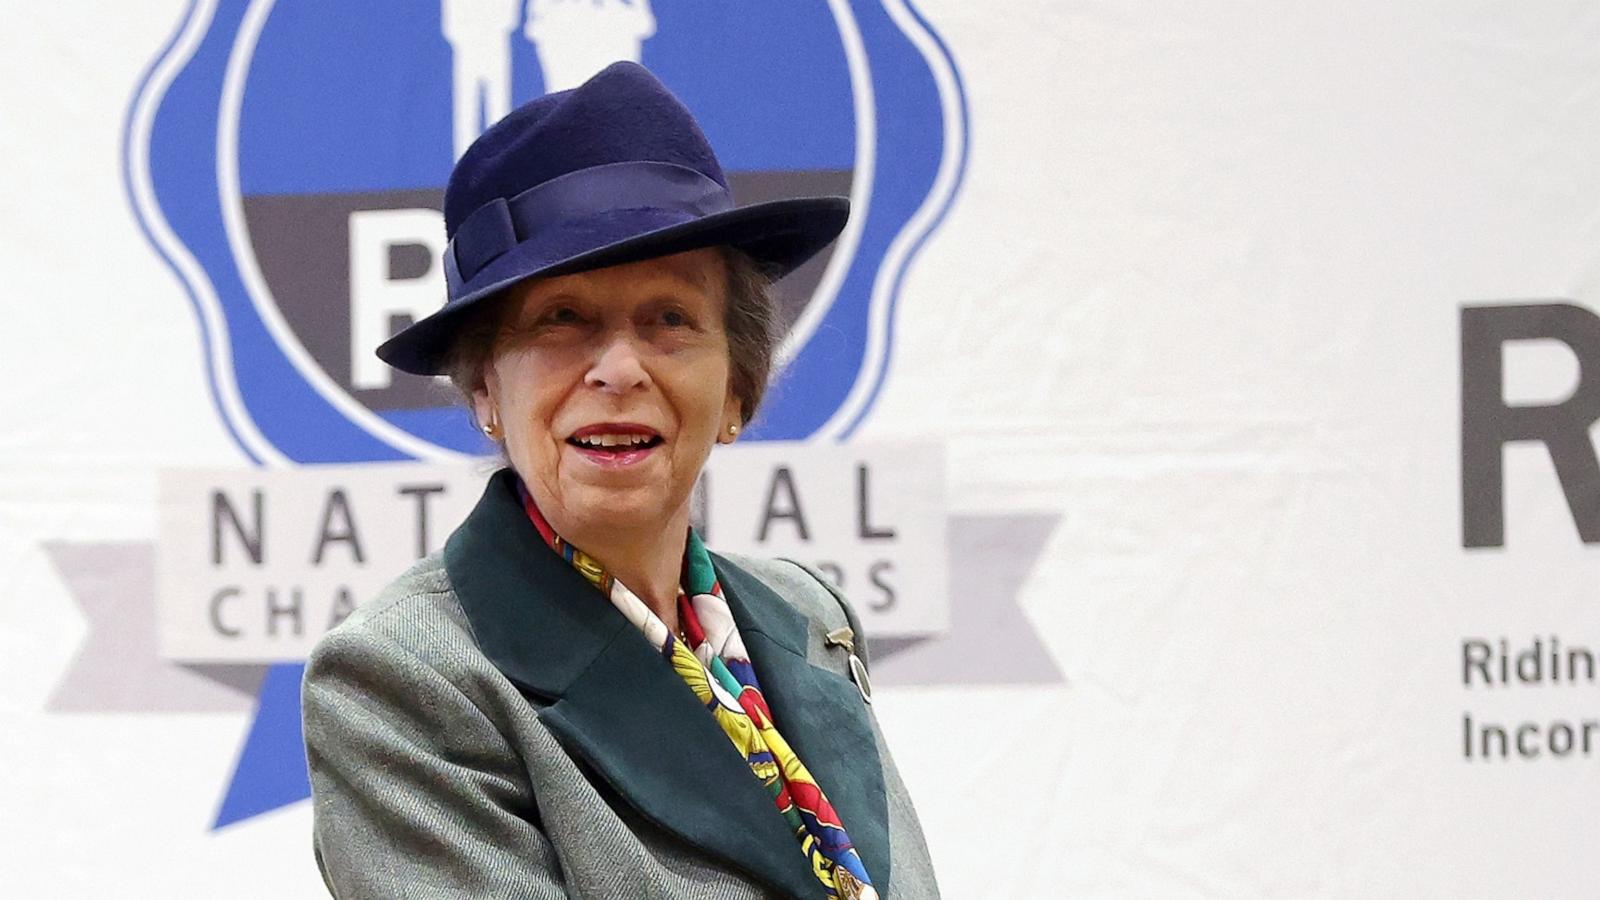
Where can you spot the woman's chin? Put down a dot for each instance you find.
(618, 507)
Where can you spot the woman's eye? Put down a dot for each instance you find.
(563, 315)
(675, 318)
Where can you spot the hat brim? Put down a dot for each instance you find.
(780, 235)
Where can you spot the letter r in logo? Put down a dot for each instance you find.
(380, 303)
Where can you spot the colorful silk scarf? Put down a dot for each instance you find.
(715, 665)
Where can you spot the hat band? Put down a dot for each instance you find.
(499, 225)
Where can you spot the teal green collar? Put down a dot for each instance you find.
(615, 703)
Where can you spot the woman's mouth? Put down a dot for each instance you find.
(615, 446)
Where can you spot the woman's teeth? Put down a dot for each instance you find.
(625, 441)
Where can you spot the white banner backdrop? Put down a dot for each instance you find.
(1198, 308)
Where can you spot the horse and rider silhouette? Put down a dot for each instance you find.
(573, 39)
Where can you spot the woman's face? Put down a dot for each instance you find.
(610, 387)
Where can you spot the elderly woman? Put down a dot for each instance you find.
(577, 699)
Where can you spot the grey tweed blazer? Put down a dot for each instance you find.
(487, 727)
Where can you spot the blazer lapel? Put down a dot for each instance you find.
(615, 702)
(820, 714)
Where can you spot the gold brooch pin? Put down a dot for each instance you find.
(846, 638)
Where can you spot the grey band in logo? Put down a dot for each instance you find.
(119, 668)
(990, 641)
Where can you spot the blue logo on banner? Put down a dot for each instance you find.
(287, 159)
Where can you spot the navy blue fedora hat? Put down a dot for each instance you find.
(612, 171)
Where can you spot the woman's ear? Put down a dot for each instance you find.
(732, 417)
(483, 406)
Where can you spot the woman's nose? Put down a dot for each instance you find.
(618, 368)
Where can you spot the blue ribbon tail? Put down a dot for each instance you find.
(271, 770)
